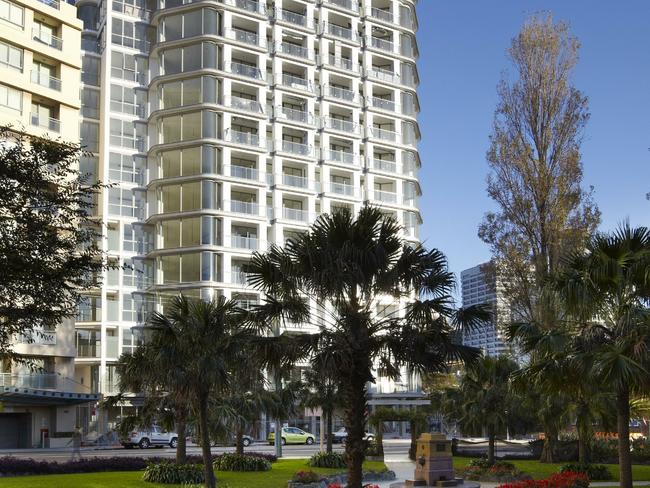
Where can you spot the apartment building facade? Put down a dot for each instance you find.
(226, 126)
(40, 65)
(482, 286)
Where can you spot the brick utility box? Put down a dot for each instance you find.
(433, 462)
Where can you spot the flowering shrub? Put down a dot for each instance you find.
(480, 469)
(593, 471)
(568, 479)
(306, 477)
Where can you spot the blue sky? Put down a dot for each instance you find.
(462, 55)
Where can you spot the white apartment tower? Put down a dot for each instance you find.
(225, 126)
(481, 286)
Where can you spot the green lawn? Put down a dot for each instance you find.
(543, 470)
(276, 478)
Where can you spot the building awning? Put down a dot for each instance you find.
(15, 395)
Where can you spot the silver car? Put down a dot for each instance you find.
(152, 437)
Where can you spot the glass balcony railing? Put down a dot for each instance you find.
(294, 50)
(239, 277)
(341, 125)
(382, 103)
(383, 44)
(294, 115)
(380, 14)
(295, 214)
(383, 75)
(46, 80)
(246, 70)
(341, 63)
(385, 196)
(247, 37)
(250, 5)
(384, 134)
(243, 104)
(292, 17)
(244, 242)
(243, 172)
(342, 188)
(384, 165)
(295, 181)
(345, 157)
(48, 123)
(294, 81)
(346, 4)
(341, 93)
(296, 148)
(52, 3)
(88, 350)
(112, 346)
(47, 38)
(246, 138)
(238, 206)
(340, 31)
(38, 381)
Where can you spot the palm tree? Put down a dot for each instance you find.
(197, 343)
(346, 266)
(606, 289)
(486, 397)
(321, 391)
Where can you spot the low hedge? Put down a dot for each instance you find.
(328, 460)
(239, 462)
(595, 472)
(170, 473)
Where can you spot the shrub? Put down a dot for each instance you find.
(170, 473)
(593, 471)
(14, 466)
(264, 455)
(568, 479)
(306, 477)
(641, 450)
(238, 462)
(328, 460)
(372, 448)
(604, 450)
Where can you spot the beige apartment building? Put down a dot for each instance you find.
(40, 63)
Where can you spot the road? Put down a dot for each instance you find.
(397, 447)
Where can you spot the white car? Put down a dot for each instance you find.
(341, 436)
(152, 437)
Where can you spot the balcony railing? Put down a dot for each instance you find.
(46, 80)
(246, 37)
(295, 214)
(296, 82)
(294, 115)
(239, 277)
(384, 165)
(47, 38)
(246, 138)
(385, 15)
(339, 31)
(341, 125)
(345, 157)
(341, 93)
(38, 381)
(382, 103)
(295, 181)
(346, 4)
(385, 196)
(383, 75)
(244, 242)
(243, 172)
(48, 123)
(243, 104)
(342, 188)
(341, 63)
(38, 337)
(51, 3)
(250, 208)
(292, 17)
(294, 50)
(384, 134)
(382, 44)
(250, 5)
(246, 304)
(296, 148)
(245, 70)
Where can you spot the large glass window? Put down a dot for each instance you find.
(195, 23)
(183, 268)
(183, 162)
(125, 66)
(129, 34)
(184, 127)
(89, 135)
(121, 201)
(11, 98)
(181, 93)
(176, 198)
(11, 56)
(12, 12)
(189, 58)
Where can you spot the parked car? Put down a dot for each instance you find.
(341, 436)
(293, 435)
(232, 440)
(246, 440)
(152, 437)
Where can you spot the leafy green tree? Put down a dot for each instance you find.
(48, 236)
(606, 288)
(536, 173)
(486, 398)
(346, 265)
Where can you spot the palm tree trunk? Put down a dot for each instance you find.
(181, 430)
(623, 421)
(210, 481)
(491, 442)
(356, 423)
(414, 440)
(550, 436)
(328, 430)
(379, 439)
(239, 441)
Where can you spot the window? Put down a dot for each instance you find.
(124, 167)
(90, 70)
(121, 202)
(124, 134)
(181, 127)
(185, 162)
(181, 93)
(184, 197)
(90, 103)
(128, 34)
(13, 13)
(190, 24)
(11, 98)
(131, 338)
(89, 135)
(11, 56)
(129, 239)
(189, 58)
(46, 34)
(128, 273)
(123, 100)
(125, 66)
